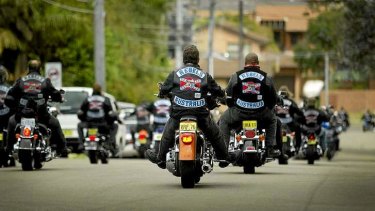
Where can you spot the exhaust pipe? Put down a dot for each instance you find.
(206, 168)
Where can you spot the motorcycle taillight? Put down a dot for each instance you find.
(92, 137)
(187, 138)
(311, 137)
(250, 133)
(142, 134)
(26, 132)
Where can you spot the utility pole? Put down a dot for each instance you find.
(179, 27)
(210, 38)
(326, 77)
(99, 54)
(241, 38)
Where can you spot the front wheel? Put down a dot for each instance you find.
(187, 169)
(26, 160)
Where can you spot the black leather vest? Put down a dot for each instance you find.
(283, 112)
(190, 88)
(4, 110)
(96, 107)
(250, 91)
(32, 86)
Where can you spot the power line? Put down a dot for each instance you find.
(70, 8)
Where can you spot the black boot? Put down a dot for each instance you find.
(152, 156)
(272, 153)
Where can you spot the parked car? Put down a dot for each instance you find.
(74, 96)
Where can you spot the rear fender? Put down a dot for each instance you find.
(187, 145)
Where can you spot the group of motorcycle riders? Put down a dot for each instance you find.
(250, 94)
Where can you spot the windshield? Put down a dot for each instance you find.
(73, 101)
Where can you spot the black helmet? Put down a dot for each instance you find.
(34, 66)
(3, 74)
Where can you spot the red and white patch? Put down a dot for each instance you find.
(95, 105)
(250, 87)
(32, 87)
(190, 84)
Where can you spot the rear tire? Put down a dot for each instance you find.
(187, 169)
(93, 156)
(249, 169)
(310, 155)
(38, 164)
(26, 160)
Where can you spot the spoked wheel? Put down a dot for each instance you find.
(26, 160)
(187, 169)
(249, 169)
(93, 156)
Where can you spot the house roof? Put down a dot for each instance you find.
(295, 16)
(262, 40)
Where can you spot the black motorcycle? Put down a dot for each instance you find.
(249, 142)
(97, 143)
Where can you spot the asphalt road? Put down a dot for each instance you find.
(345, 183)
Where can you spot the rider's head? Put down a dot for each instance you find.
(251, 59)
(191, 55)
(285, 91)
(3, 74)
(97, 89)
(34, 66)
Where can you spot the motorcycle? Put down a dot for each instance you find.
(96, 143)
(288, 141)
(156, 137)
(249, 141)
(32, 148)
(311, 148)
(332, 136)
(142, 142)
(192, 155)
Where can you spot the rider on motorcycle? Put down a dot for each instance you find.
(188, 87)
(34, 86)
(253, 97)
(5, 113)
(289, 114)
(368, 120)
(313, 120)
(97, 108)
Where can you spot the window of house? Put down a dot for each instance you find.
(295, 37)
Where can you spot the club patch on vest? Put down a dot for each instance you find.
(190, 84)
(250, 105)
(32, 87)
(250, 87)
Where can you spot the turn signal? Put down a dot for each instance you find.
(35, 137)
(262, 137)
(26, 132)
(238, 138)
(18, 136)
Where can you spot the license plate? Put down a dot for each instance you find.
(28, 122)
(92, 131)
(1, 136)
(157, 136)
(311, 142)
(67, 132)
(142, 141)
(188, 126)
(285, 139)
(250, 124)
